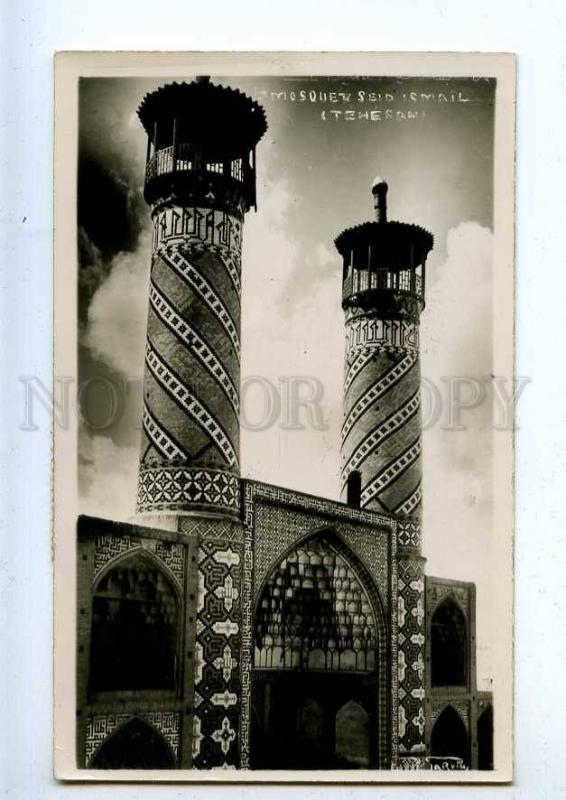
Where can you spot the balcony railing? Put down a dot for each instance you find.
(163, 162)
(363, 280)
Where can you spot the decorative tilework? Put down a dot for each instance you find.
(437, 592)
(410, 667)
(409, 533)
(180, 261)
(277, 528)
(247, 626)
(377, 390)
(285, 517)
(363, 330)
(192, 368)
(219, 530)
(461, 706)
(392, 470)
(109, 547)
(212, 229)
(380, 434)
(224, 736)
(337, 633)
(161, 440)
(411, 503)
(356, 365)
(175, 488)
(194, 407)
(101, 726)
(191, 339)
(218, 641)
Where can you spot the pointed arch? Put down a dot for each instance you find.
(136, 744)
(352, 735)
(449, 644)
(135, 625)
(319, 608)
(149, 556)
(449, 737)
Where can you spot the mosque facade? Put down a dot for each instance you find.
(242, 625)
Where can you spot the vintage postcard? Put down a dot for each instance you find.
(284, 422)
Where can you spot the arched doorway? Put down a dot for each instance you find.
(352, 741)
(485, 739)
(449, 650)
(316, 664)
(449, 736)
(136, 745)
(134, 627)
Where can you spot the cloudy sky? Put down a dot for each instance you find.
(327, 138)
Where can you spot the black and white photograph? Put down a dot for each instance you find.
(284, 508)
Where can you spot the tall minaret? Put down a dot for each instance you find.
(382, 297)
(199, 182)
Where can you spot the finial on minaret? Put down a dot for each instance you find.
(379, 190)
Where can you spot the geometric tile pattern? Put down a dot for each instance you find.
(410, 656)
(363, 330)
(180, 262)
(275, 519)
(382, 426)
(160, 438)
(100, 726)
(175, 488)
(195, 408)
(461, 706)
(192, 367)
(314, 613)
(408, 506)
(217, 684)
(393, 471)
(376, 390)
(409, 533)
(378, 435)
(438, 591)
(277, 528)
(109, 547)
(218, 231)
(190, 337)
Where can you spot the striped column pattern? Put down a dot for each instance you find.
(190, 441)
(381, 431)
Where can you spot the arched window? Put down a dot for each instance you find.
(485, 739)
(448, 646)
(315, 614)
(136, 745)
(449, 736)
(134, 628)
(352, 741)
(354, 490)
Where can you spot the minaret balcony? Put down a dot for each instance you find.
(383, 281)
(164, 162)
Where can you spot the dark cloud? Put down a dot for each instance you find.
(111, 216)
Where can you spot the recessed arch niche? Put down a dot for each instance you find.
(135, 625)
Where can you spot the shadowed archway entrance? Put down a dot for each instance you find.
(134, 633)
(136, 745)
(449, 736)
(316, 677)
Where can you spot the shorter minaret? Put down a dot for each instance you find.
(382, 297)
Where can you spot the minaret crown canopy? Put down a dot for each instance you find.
(208, 113)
